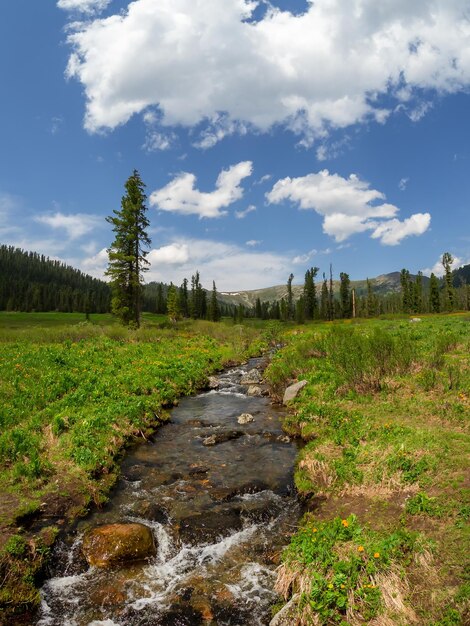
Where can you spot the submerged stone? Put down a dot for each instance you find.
(117, 543)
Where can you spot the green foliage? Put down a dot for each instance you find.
(421, 503)
(16, 546)
(340, 561)
(127, 253)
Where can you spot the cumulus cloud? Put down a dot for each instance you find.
(438, 270)
(253, 242)
(181, 196)
(214, 63)
(83, 6)
(392, 232)
(348, 206)
(173, 254)
(76, 225)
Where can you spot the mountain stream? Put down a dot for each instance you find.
(219, 499)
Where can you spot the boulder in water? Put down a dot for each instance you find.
(117, 543)
(245, 418)
(255, 391)
(221, 437)
(213, 382)
(253, 377)
(292, 391)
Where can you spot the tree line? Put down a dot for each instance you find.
(33, 282)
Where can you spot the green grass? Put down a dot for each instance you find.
(385, 417)
(73, 394)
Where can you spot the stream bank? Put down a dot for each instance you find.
(218, 496)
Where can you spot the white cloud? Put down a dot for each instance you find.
(84, 6)
(76, 225)
(173, 254)
(301, 259)
(215, 261)
(392, 232)
(263, 179)
(241, 214)
(253, 242)
(181, 196)
(403, 184)
(348, 206)
(155, 141)
(96, 264)
(438, 268)
(204, 61)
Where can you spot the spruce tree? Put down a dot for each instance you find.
(127, 254)
(324, 300)
(290, 298)
(214, 311)
(434, 297)
(344, 294)
(310, 296)
(449, 293)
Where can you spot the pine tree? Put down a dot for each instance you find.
(213, 310)
(127, 254)
(434, 297)
(184, 298)
(300, 310)
(449, 293)
(324, 299)
(258, 309)
(310, 296)
(160, 304)
(290, 298)
(406, 291)
(344, 294)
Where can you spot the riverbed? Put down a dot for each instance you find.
(218, 496)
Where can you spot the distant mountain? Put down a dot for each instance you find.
(381, 285)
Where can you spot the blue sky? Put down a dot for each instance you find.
(272, 137)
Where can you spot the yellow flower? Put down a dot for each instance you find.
(360, 549)
(330, 586)
(376, 555)
(314, 530)
(342, 586)
(345, 523)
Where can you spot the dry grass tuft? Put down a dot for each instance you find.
(395, 589)
(319, 472)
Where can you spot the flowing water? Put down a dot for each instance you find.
(220, 515)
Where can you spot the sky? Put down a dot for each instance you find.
(271, 136)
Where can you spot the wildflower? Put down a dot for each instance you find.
(330, 586)
(342, 586)
(314, 530)
(345, 523)
(360, 549)
(376, 555)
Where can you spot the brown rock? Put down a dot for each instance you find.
(116, 543)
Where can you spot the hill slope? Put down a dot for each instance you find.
(381, 285)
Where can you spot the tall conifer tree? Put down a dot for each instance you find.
(127, 254)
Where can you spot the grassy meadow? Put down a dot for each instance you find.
(73, 395)
(383, 472)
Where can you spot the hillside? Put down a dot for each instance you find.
(381, 285)
(32, 282)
